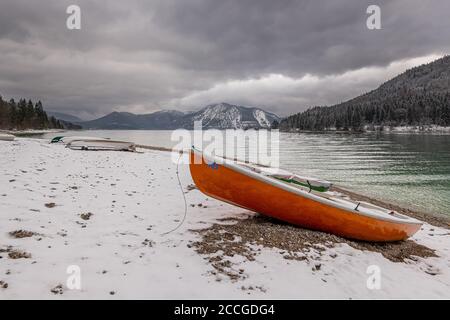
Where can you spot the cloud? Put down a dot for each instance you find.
(281, 93)
(141, 56)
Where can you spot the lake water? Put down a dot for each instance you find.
(412, 170)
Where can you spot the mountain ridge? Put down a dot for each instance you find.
(64, 116)
(214, 116)
(418, 96)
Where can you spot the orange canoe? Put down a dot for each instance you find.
(253, 189)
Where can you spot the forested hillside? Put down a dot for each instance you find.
(419, 96)
(26, 115)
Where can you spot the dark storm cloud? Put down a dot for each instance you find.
(144, 55)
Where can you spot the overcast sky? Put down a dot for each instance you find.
(141, 56)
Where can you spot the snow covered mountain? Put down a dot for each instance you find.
(228, 116)
(215, 116)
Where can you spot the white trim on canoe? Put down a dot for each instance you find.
(376, 212)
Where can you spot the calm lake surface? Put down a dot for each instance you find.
(412, 170)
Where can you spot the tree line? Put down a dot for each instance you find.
(405, 108)
(26, 115)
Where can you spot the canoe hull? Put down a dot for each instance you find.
(224, 183)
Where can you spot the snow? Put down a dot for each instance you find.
(260, 116)
(135, 198)
(411, 129)
(423, 128)
(220, 116)
(33, 131)
(226, 116)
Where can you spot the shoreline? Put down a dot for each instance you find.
(436, 219)
(32, 132)
(426, 129)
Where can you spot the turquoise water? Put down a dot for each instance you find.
(412, 170)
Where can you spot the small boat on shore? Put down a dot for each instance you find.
(6, 137)
(281, 196)
(68, 139)
(101, 144)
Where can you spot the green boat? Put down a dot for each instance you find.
(57, 139)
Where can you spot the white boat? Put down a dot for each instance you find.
(68, 139)
(101, 144)
(6, 137)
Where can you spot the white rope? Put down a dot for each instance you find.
(184, 198)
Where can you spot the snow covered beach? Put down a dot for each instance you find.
(107, 213)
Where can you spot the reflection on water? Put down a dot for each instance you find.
(408, 169)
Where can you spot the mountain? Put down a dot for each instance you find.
(215, 116)
(124, 120)
(228, 116)
(419, 96)
(63, 116)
